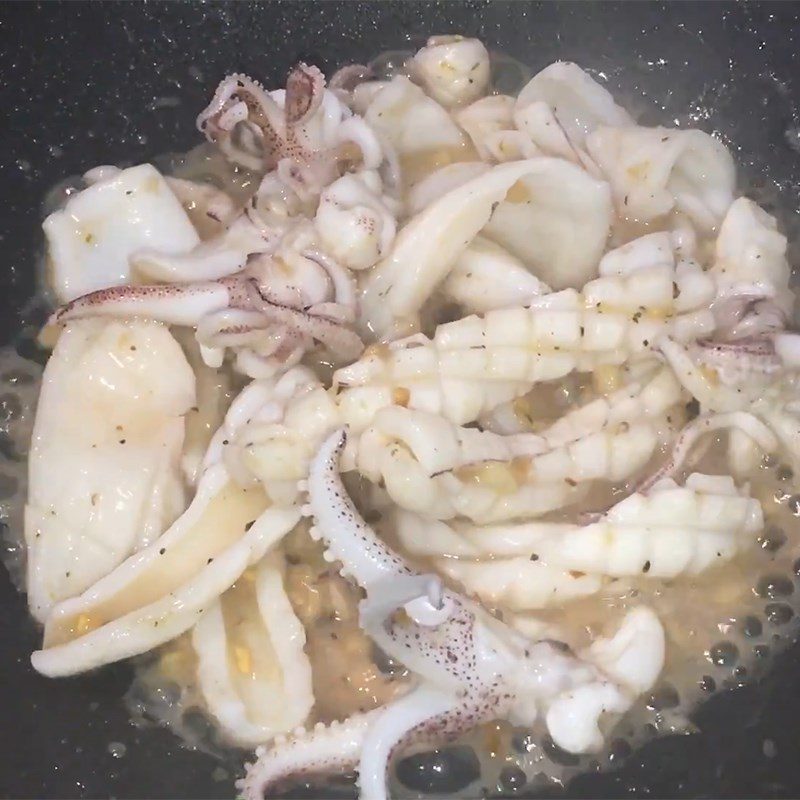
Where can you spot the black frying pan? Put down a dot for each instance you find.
(78, 84)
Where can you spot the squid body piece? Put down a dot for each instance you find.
(161, 591)
(485, 276)
(560, 106)
(548, 199)
(552, 204)
(476, 363)
(668, 532)
(104, 466)
(655, 170)
(91, 239)
(252, 670)
(429, 465)
(452, 69)
(409, 120)
(441, 181)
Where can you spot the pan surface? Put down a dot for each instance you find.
(83, 84)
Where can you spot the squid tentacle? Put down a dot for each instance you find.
(304, 87)
(335, 748)
(424, 715)
(188, 304)
(366, 559)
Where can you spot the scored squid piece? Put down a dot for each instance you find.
(91, 239)
(252, 671)
(441, 470)
(476, 363)
(667, 532)
(104, 465)
(519, 584)
(161, 591)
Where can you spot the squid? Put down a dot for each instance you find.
(747, 387)
(546, 198)
(91, 239)
(303, 134)
(270, 314)
(453, 70)
(474, 364)
(412, 125)
(353, 221)
(470, 667)
(560, 106)
(161, 591)
(303, 139)
(663, 531)
(441, 181)
(252, 672)
(272, 430)
(440, 470)
(210, 209)
(105, 460)
(653, 171)
(485, 276)
(752, 274)
(489, 123)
